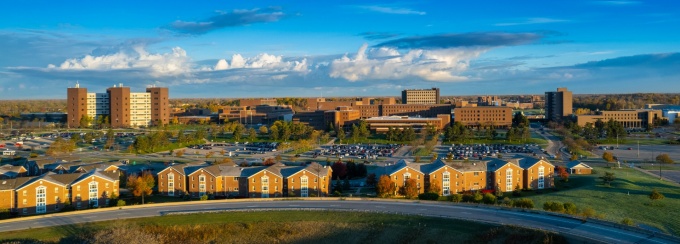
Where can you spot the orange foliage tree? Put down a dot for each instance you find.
(141, 185)
(385, 186)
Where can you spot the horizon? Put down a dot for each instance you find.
(339, 48)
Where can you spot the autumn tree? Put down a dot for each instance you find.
(263, 130)
(385, 187)
(410, 189)
(339, 170)
(434, 187)
(608, 156)
(268, 162)
(562, 172)
(227, 161)
(141, 185)
(664, 158)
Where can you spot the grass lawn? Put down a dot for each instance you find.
(626, 198)
(663, 167)
(286, 227)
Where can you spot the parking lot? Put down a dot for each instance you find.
(466, 151)
(358, 151)
(646, 152)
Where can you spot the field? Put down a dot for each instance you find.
(626, 198)
(282, 226)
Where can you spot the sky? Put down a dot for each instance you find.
(233, 49)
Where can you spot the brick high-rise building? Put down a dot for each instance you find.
(558, 104)
(119, 106)
(420, 96)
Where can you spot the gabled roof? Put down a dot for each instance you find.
(49, 177)
(177, 167)
(401, 164)
(494, 164)
(93, 174)
(528, 162)
(575, 163)
(471, 166)
(10, 184)
(11, 170)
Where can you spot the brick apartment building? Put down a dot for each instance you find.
(483, 116)
(119, 106)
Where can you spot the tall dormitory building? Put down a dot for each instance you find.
(420, 96)
(122, 107)
(558, 104)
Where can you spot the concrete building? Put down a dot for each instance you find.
(489, 101)
(259, 114)
(420, 96)
(382, 124)
(342, 116)
(483, 116)
(558, 104)
(628, 118)
(119, 106)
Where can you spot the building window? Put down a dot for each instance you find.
(508, 180)
(265, 186)
(40, 199)
(201, 185)
(541, 179)
(304, 190)
(93, 194)
(446, 184)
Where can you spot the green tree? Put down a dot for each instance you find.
(274, 132)
(664, 158)
(85, 121)
(656, 195)
(238, 132)
(252, 134)
(608, 178)
(340, 134)
(263, 130)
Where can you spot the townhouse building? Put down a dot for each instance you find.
(538, 173)
(503, 175)
(401, 171)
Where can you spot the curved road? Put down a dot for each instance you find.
(588, 231)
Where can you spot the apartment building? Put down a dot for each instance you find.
(483, 116)
(420, 96)
(558, 104)
(641, 118)
(118, 106)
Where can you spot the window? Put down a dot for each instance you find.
(446, 184)
(406, 177)
(508, 180)
(265, 186)
(56, 190)
(93, 194)
(25, 201)
(304, 190)
(171, 184)
(476, 174)
(201, 185)
(40, 199)
(107, 185)
(25, 193)
(541, 179)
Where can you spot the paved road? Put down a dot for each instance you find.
(590, 231)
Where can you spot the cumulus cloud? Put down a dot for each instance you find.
(265, 62)
(134, 57)
(238, 17)
(391, 10)
(431, 65)
(453, 40)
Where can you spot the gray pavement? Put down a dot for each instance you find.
(589, 231)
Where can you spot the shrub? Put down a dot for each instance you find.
(477, 197)
(121, 203)
(428, 196)
(507, 201)
(570, 208)
(627, 221)
(456, 198)
(656, 195)
(337, 194)
(523, 203)
(551, 206)
(204, 197)
(489, 198)
(588, 212)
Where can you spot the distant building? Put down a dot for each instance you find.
(342, 116)
(260, 114)
(420, 96)
(483, 116)
(412, 110)
(489, 101)
(255, 102)
(119, 106)
(382, 124)
(628, 118)
(315, 119)
(558, 104)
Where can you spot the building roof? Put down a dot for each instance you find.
(399, 165)
(528, 162)
(9, 169)
(493, 164)
(10, 184)
(399, 118)
(471, 166)
(575, 163)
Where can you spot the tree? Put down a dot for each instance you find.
(434, 187)
(573, 157)
(238, 131)
(562, 172)
(268, 162)
(608, 156)
(340, 134)
(385, 186)
(252, 134)
(179, 153)
(85, 121)
(371, 179)
(339, 170)
(664, 158)
(140, 185)
(274, 132)
(608, 178)
(263, 130)
(410, 189)
(656, 195)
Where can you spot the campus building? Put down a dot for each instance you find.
(384, 123)
(420, 96)
(558, 104)
(483, 116)
(120, 107)
(627, 118)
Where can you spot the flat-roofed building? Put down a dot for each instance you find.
(420, 96)
(558, 104)
(483, 116)
(342, 116)
(384, 123)
(628, 118)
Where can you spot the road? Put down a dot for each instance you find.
(589, 231)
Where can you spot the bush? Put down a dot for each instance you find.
(570, 208)
(456, 198)
(337, 193)
(428, 196)
(507, 201)
(477, 197)
(523, 203)
(656, 195)
(204, 197)
(489, 198)
(627, 221)
(551, 206)
(121, 203)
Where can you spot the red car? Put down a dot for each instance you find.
(630, 148)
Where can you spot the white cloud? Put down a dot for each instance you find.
(392, 10)
(433, 65)
(264, 62)
(532, 21)
(221, 65)
(135, 57)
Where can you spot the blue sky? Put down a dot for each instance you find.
(339, 48)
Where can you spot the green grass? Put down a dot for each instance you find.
(663, 167)
(626, 198)
(285, 226)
